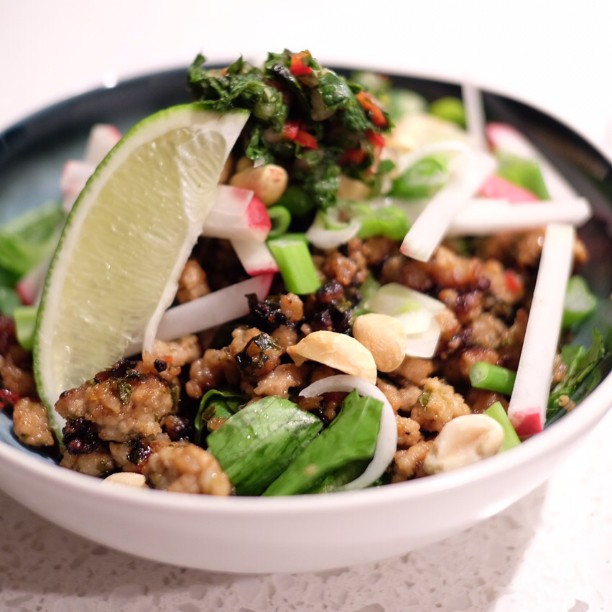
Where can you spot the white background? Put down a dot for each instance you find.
(552, 551)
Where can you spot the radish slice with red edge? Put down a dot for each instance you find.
(237, 214)
(210, 310)
(102, 138)
(386, 444)
(254, 256)
(74, 176)
(529, 400)
(505, 138)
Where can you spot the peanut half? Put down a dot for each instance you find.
(268, 182)
(464, 440)
(337, 351)
(130, 479)
(384, 337)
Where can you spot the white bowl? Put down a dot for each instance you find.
(291, 534)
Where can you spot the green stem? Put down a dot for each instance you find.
(491, 377)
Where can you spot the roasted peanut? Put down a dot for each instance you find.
(268, 182)
(464, 440)
(384, 337)
(336, 351)
(130, 479)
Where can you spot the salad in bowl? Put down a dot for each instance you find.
(299, 283)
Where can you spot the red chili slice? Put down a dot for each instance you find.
(370, 106)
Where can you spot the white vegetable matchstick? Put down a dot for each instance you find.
(485, 217)
(474, 113)
(428, 231)
(528, 403)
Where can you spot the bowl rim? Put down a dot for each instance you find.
(587, 414)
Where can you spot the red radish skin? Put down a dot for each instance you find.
(528, 423)
(257, 216)
(255, 257)
(498, 187)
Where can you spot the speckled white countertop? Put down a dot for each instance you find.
(552, 551)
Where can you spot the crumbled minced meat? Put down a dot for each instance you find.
(438, 404)
(408, 463)
(30, 423)
(120, 409)
(97, 463)
(183, 467)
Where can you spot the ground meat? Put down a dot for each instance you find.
(214, 368)
(260, 356)
(480, 399)
(448, 269)
(121, 408)
(292, 307)
(401, 398)
(408, 463)
(347, 269)
(378, 249)
(186, 468)
(132, 456)
(408, 432)
(456, 368)
(488, 331)
(409, 272)
(285, 336)
(437, 405)
(415, 369)
(506, 285)
(179, 352)
(466, 306)
(30, 423)
(281, 379)
(98, 463)
(192, 282)
(16, 374)
(510, 352)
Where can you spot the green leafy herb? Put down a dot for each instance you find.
(256, 444)
(304, 117)
(422, 179)
(215, 404)
(338, 455)
(523, 172)
(581, 364)
(28, 239)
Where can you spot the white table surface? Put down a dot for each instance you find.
(552, 551)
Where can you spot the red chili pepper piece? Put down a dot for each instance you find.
(292, 130)
(298, 66)
(378, 140)
(353, 156)
(513, 281)
(370, 106)
(8, 398)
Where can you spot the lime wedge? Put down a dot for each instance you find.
(116, 267)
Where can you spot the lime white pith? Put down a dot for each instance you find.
(125, 243)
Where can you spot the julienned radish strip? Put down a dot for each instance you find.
(474, 113)
(470, 170)
(484, 217)
(210, 310)
(505, 138)
(254, 256)
(528, 403)
(387, 433)
(237, 214)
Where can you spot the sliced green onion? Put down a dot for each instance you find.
(295, 264)
(492, 377)
(450, 109)
(9, 300)
(422, 179)
(281, 220)
(579, 301)
(523, 172)
(25, 323)
(296, 201)
(389, 221)
(496, 411)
